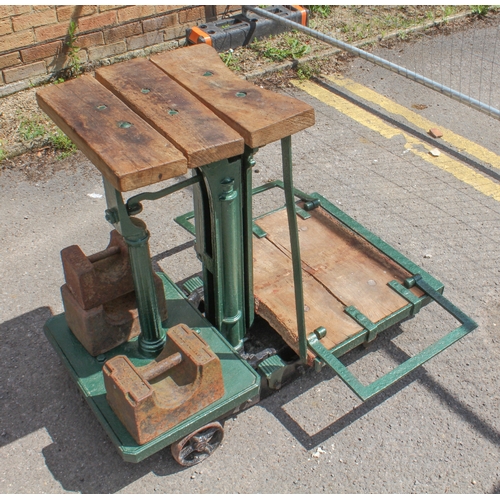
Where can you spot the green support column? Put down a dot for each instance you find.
(152, 337)
(232, 326)
(220, 242)
(246, 192)
(286, 153)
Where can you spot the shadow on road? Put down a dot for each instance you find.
(38, 393)
(276, 406)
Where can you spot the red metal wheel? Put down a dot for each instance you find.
(198, 445)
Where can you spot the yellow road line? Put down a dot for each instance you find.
(461, 143)
(460, 171)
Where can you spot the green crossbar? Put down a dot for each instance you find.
(368, 391)
(183, 221)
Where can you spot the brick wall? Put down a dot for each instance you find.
(34, 38)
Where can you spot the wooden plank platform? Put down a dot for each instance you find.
(258, 115)
(125, 149)
(339, 269)
(141, 122)
(172, 111)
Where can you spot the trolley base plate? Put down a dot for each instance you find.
(241, 382)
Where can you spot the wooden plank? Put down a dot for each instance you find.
(343, 262)
(259, 116)
(275, 299)
(172, 111)
(90, 116)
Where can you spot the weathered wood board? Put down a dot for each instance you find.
(172, 111)
(126, 150)
(339, 269)
(275, 299)
(258, 115)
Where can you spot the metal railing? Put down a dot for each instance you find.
(450, 92)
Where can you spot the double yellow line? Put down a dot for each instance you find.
(466, 174)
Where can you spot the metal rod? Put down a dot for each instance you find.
(458, 96)
(134, 200)
(104, 254)
(157, 368)
(248, 163)
(286, 152)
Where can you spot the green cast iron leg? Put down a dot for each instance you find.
(152, 337)
(286, 152)
(203, 244)
(248, 164)
(219, 222)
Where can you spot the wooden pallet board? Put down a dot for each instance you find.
(128, 156)
(258, 115)
(275, 299)
(339, 269)
(172, 111)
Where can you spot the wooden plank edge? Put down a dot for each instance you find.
(126, 182)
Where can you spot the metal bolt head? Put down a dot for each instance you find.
(320, 332)
(124, 124)
(111, 216)
(410, 282)
(134, 208)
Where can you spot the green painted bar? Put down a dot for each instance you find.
(183, 221)
(286, 152)
(258, 231)
(361, 319)
(366, 392)
(248, 163)
(415, 301)
(133, 203)
(152, 337)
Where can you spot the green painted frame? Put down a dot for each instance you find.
(432, 288)
(365, 392)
